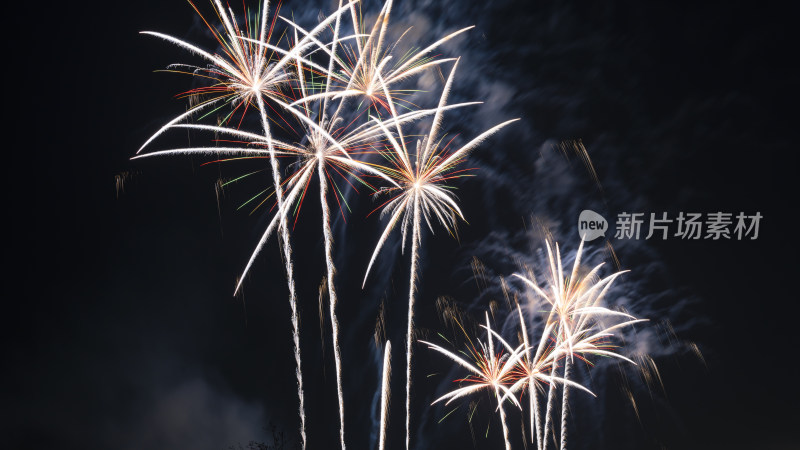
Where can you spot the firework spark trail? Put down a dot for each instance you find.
(548, 413)
(496, 388)
(537, 368)
(557, 310)
(287, 254)
(503, 419)
(329, 250)
(565, 404)
(533, 406)
(332, 58)
(354, 16)
(326, 227)
(568, 359)
(386, 392)
(536, 433)
(323, 190)
(415, 238)
(285, 240)
(533, 400)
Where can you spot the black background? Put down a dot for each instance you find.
(112, 301)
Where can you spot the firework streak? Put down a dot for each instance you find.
(385, 393)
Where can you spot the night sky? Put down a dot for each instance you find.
(119, 323)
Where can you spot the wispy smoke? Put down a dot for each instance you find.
(194, 415)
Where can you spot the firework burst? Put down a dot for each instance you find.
(371, 70)
(574, 327)
(248, 68)
(420, 191)
(574, 319)
(489, 371)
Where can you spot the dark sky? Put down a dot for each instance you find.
(119, 323)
